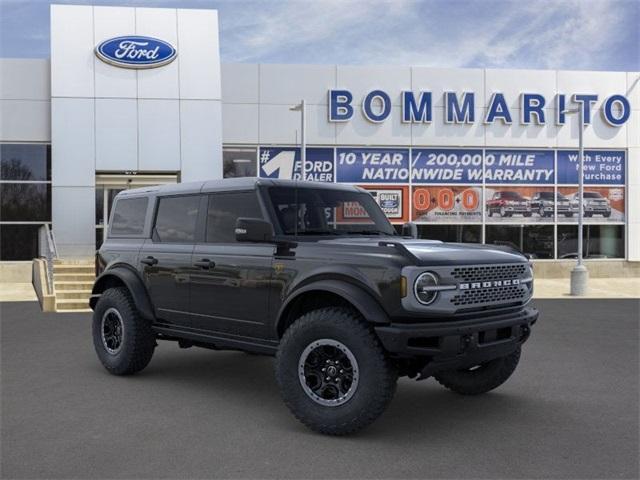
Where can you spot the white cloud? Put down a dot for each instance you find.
(527, 34)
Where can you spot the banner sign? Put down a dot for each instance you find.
(447, 204)
(601, 167)
(285, 163)
(435, 165)
(601, 204)
(518, 166)
(393, 200)
(372, 165)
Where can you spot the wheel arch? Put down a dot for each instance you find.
(325, 293)
(123, 276)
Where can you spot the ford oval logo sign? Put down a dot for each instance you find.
(134, 51)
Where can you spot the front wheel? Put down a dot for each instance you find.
(333, 373)
(480, 378)
(122, 339)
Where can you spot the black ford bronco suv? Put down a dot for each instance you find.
(316, 275)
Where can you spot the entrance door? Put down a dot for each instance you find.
(109, 185)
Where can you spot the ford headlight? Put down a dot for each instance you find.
(426, 288)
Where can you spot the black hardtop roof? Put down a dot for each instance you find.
(230, 184)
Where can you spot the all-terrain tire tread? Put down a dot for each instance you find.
(345, 318)
(139, 334)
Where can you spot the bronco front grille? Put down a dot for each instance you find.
(515, 293)
(489, 272)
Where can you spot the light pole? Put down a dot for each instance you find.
(580, 274)
(303, 140)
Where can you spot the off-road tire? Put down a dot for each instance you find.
(377, 374)
(481, 380)
(138, 341)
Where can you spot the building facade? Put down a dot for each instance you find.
(470, 155)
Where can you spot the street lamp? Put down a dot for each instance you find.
(303, 140)
(579, 274)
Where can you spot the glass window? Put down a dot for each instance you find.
(128, 216)
(176, 219)
(239, 162)
(18, 242)
(99, 237)
(25, 202)
(99, 205)
(223, 211)
(25, 162)
(451, 233)
(598, 241)
(320, 211)
(535, 240)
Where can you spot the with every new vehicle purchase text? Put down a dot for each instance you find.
(316, 275)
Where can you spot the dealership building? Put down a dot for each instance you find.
(470, 155)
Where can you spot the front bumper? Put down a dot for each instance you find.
(459, 344)
(517, 209)
(602, 210)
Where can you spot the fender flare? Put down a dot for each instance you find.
(134, 284)
(357, 296)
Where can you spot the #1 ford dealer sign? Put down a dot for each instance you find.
(134, 51)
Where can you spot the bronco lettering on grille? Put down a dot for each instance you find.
(488, 284)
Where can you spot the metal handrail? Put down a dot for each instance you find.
(48, 250)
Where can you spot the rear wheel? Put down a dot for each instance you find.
(480, 378)
(332, 372)
(122, 339)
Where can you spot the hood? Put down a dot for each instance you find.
(434, 252)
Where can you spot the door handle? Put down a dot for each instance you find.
(149, 261)
(205, 263)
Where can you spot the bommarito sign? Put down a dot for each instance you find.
(460, 108)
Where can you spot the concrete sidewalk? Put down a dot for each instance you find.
(598, 288)
(17, 292)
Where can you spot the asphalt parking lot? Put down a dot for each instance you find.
(570, 411)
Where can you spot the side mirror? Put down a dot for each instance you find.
(253, 230)
(410, 229)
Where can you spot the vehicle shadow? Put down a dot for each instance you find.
(421, 407)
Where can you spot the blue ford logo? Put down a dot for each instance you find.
(134, 51)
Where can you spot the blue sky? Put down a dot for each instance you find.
(560, 34)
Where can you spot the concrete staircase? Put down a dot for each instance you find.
(72, 283)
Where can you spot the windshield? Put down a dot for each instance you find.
(512, 196)
(592, 195)
(546, 195)
(316, 211)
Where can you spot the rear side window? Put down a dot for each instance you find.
(128, 216)
(224, 209)
(176, 219)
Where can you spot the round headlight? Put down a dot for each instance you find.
(424, 288)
